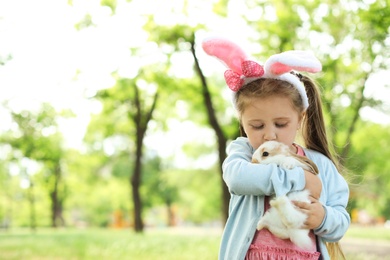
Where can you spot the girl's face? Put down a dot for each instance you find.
(272, 118)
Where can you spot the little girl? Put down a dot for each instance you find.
(273, 103)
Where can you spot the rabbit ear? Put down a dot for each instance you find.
(226, 51)
(292, 60)
(311, 166)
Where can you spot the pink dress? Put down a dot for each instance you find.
(266, 246)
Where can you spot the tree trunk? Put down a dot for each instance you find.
(56, 203)
(141, 120)
(170, 213)
(135, 184)
(31, 199)
(221, 138)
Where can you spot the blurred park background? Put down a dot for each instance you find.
(112, 117)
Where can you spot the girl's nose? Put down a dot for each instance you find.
(269, 135)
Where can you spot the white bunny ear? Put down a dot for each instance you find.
(292, 60)
(226, 51)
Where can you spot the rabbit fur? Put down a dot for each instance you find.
(283, 219)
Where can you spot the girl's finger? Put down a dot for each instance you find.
(301, 205)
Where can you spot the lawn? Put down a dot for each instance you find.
(161, 244)
(374, 232)
(108, 244)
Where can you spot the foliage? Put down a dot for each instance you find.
(202, 193)
(369, 160)
(14, 204)
(37, 139)
(197, 188)
(4, 59)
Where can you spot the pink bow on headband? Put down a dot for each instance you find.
(250, 69)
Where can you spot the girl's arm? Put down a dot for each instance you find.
(314, 210)
(245, 178)
(333, 202)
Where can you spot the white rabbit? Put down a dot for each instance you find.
(283, 219)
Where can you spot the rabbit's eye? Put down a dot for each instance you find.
(265, 154)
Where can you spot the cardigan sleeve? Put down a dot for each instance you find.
(245, 178)
(334, 197)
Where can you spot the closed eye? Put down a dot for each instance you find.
(280, 125)
(257, 127)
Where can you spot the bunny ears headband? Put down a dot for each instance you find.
(243, 71)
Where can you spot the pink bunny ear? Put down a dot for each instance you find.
(225, 50)
(292, 60)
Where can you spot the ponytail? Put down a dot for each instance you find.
(314, 130)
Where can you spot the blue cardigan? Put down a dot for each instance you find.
(248, 183)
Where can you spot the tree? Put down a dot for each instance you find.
(38, 138)
(133, 106)
(140, 118)
(214, 123)
(176, 36)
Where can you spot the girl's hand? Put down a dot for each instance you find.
(315, 212)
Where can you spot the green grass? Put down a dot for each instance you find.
(369, 232)
(107, 244)
(161, 244)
